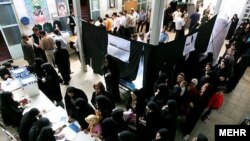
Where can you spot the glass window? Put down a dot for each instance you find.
(139, 7)
(95, 15)
(144, 6)
(4, 1)
(12, 35)
(95, 5)
(7, 16)
(143, 0)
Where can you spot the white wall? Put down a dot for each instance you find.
(21, 11)
(230, 7)
(104, 8)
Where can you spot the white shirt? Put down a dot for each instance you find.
(179, 23)
(122, 21)
(133, 20)
(176, 14)
(61, 39)
(116, 23)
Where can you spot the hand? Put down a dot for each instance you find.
(43, 80)
(6, 76)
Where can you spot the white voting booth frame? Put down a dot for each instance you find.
(56, 115)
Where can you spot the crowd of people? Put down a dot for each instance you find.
(153, 118)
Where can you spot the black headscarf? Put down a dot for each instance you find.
(46, 134)
(105, 106)
(127, 136)
(70, 101)
(164, 134)
(36, 128)
(26, 123)
(38, 67)
(50, 73)
(11, 114)
(83, 109)
(201, 137)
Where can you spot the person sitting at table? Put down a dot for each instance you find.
(11, 113)
(52, 83)
(5, 71)
(104, 106)
(82, 110)
(37, 127)
(26, 123)
(94, 127)
(71, 95)
(62, 62)
(46, 134)
(35, 132)
(100, 90)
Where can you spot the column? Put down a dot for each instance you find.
(217, 7)
(156, 20)
(77, 12)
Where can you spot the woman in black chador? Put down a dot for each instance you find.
(111, 76)
(52, 82)
(62, 62)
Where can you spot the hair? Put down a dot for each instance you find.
(35, 29)
(100, 85)
(57, 32)
(107, 16)
(58, 43)
(24, 36)
(42, 32)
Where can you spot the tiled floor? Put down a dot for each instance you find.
(236, 105)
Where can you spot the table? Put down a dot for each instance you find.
(57, 115)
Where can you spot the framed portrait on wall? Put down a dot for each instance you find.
(37, 10)
(61, 8)
(112, 4)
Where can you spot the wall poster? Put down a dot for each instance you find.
(61, 8)
(37, 10)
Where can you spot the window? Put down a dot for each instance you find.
(12, 35)
(7, 15)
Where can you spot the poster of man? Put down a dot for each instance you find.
(61, 8)
(38, 14)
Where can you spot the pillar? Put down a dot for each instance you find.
(78, 21)
(217, 7)
(156, 20)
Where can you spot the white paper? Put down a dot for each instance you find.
(190, 44)
(119, 48)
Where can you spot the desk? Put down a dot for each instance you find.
(72, 38)
(58, 117)
(11, 85)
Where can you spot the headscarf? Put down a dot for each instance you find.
(46, 134)
(127, 136)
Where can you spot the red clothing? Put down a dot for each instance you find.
(216, 101)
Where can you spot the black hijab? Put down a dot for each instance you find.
(38, 67)
(36, 129)
(50, 73)
(26, 123)
(46, 134)
(127, 136)
(105, 106)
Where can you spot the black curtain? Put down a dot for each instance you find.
(95, 42)
(204, 34)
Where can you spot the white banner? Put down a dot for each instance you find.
(119, 48)
(190, 43)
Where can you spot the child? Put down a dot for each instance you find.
(215, 103)
(94, 127)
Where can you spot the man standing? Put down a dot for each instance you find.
(179, 27)
(71, 22)
(142, 20)
(28, 52)
(36, 41)
(48, 45)
(195, 18)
